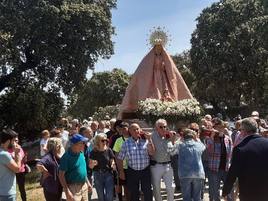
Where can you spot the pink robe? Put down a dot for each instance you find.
(154, 75)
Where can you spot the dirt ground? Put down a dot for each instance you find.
(35, 192)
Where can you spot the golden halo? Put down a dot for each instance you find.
(159, 36)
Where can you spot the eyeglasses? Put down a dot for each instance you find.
(162, 127)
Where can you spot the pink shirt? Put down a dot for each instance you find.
(22, 155)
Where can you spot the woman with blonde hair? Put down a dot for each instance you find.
(43, 142)
(49, 166)
(102, 162)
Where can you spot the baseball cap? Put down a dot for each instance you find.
(78, 138)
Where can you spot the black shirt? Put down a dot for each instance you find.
(110, 133)
(103, 158)
(113, 139)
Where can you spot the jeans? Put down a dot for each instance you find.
(165, 172)
(7, 197)
(174, 164)
(206, 169)
(104, 184)
(134, 179)
(214, 181)
(191, 188)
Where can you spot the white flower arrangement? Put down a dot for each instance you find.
(183, 109)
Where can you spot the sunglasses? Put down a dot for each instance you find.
(196, 130)
(162, 127)
(104, 141)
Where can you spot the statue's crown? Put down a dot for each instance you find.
(158, 36)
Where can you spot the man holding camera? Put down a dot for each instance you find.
(219, 149)
(161, 163)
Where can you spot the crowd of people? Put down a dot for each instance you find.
(124, 161)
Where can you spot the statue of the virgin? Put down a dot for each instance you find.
(156, 77)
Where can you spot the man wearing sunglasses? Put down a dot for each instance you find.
(73, 170)
(161, 166)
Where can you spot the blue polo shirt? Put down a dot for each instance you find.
(74, 166)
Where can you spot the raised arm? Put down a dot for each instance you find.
(15, 164)
(150, 147)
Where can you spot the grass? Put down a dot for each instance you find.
(34, 191)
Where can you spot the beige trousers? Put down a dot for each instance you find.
(79, 191)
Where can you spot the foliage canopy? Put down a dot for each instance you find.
(30, 110)
(103, 89)
(230, 53)
(53, 42)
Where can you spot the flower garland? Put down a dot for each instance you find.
(152, 109)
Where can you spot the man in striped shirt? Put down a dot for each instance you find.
(136, 151)
(219, 149)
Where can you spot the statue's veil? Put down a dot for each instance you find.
(142, 82)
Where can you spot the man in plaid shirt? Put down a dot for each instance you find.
(136, 151)
(219, 149)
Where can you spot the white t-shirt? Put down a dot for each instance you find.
(43, 144)
(64, 138)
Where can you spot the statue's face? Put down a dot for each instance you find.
(158, 49)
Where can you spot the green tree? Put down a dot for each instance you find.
(53, 41)
(103, 89)
(184, 64)
(30, 110)
(230, 52)
(106, 112)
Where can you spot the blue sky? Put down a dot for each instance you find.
(133, 20)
